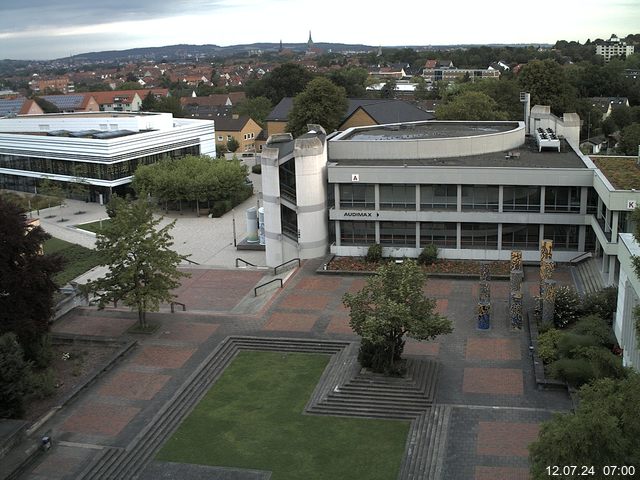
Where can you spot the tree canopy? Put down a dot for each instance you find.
(630, 139)
(470, 106)
(287, 80)
(26, 279)
(548, 84)
(604, 430)
(143, 269)
(322, 102)
(391, 306)
(257, 108)
(352, 79)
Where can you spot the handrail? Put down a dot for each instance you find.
(255, 290)
(275, 269)
(191, 261)
(245, 262)
(580, 257)
(173, 304)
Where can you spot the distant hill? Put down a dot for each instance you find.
(172, 52)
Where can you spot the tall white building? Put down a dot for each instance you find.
(614, 47)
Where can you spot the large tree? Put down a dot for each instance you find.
(548, 84)
(352, 79)
(26, 279)
(14, 377)
(287, 80)
(604, 430)
(630, 139)
(470, 106)
(322, 102)
(143, 269)
(391, 306)
(257, 108)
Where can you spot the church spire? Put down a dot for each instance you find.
(310, 41)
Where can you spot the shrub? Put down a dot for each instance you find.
(596, 327)
(548, 345)
(603, 362)
(257, 169)
(569, 344)
(42, 384)
(220, 207)
(428, 255)
(374, 254)
(602, 303)
(567, 306)
(14, 373)
(574, 371)
(41, 352)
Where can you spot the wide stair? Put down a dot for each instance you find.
(117, 463)
(426, 445)
(587, 276)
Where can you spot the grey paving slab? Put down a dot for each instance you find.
(183, 471)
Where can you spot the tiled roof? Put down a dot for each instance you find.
(11, 106)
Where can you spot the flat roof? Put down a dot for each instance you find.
(427, 130)
(622, 172)
(525, 156)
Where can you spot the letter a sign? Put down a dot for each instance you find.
(355, 177)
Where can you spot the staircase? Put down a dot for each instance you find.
(587, 276)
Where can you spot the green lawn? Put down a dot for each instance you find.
(78, 259)
(93, 226)
(252, 418)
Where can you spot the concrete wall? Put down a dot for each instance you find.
(271, 201)
(86, 121)
(628, 293)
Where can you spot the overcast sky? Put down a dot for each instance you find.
(46, 29)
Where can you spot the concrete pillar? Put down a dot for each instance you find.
(417, 198)
(376, 196)
(458, 235)
(614, 226)
(500, 201)
(338, 233)
(500, 235)
(459, 199)
(515, 310)
(611, 279)
(417, 234)
(336, 195)
(543, 191)
(584, 195)
(582, 237)
(378, 232)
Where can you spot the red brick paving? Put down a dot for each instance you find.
(505, 439)
(442, 304)
(499, 291)
(163, 357)
(291, 322)
(307, 302)
(98, 326)
(439, 288)
(339, 324)
(100, 419)
(216, 290)
(493, 349)
(64, 461)
(501, 473)
(188, 331)
(320, 284)
(534, 290)
(357, 285)
(134, 385)
(422, 348)
(496, 381)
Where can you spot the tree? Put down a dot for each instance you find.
(26, 279)
(548, 85)
(149, 103)
(604, 429)
(255, 108)
(14, 375)
(630, 139)
(287, 80)
(45, 105)
(352, 79)
(388, 90)
(391, 306)
(321, 103)
(233, 145)
(142, 267)
(470, 106)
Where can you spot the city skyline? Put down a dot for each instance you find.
(41, 30)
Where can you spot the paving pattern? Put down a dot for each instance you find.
(486, 409)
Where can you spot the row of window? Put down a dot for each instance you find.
(474, 197)
(99, 171)
(472, 235)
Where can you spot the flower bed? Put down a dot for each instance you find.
(444, 266)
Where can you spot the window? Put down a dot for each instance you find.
(592, 201)
(357, 233)
(287, 173)
(398, 197)
(521, 199)
(520, 236)
(562, 199)
(289, 222)
(439, 197)
(357, 196)
(564, 237)
(398, 234)
(480, 197)
(438, 233)
(479, 235)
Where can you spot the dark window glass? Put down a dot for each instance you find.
(520, 236)
(357, 233)
(289, 222)
(287, 172)
(479, 235)
(438, 233)
(398, 234)
(564, 237)
(357, 196)
(562, 199)
(398, 197)
(439, 197)
(521, 199)
(480, 197)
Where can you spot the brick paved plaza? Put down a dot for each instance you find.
(485, 376)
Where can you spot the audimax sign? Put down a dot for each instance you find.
(361, 214)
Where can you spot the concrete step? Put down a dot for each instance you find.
(341, 411)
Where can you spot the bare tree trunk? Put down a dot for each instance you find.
(197, 208)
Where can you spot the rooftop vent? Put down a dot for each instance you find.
(547, 139)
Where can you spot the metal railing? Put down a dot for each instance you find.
(245, 262)
(275, 269)
(173, 304)
(255, 290)
(581, 257)
(190, 261)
